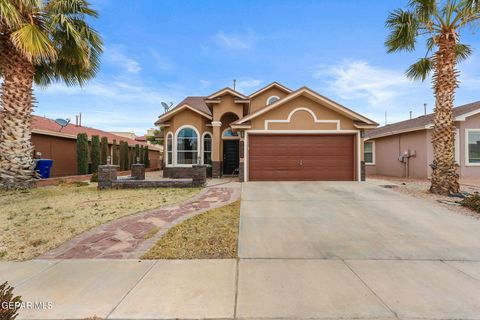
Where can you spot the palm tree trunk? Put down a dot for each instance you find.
(16, 96)
(444, 176)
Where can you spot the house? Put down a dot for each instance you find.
(272, 134)
(404, 149)
(59, 144)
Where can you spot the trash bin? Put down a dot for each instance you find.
(43, 167)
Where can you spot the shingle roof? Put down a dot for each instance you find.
(198, 103)
(417, 123)
(46, 124)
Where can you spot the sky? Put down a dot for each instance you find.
(159, 50)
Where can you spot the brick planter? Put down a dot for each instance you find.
(138, 171)
(106, 175)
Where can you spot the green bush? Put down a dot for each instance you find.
(472, 202)
(95, 153)
(115, 153)
(124, 156)
(103, 150)
(7, 298)
(82, 153)
(132, 156)
(146, 159)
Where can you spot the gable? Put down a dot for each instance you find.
(302, 113)
(260, 100)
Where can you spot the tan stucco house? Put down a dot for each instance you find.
(404, 149)
(272, 134)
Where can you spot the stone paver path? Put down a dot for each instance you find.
(131, 236)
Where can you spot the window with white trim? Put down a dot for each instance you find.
(228, 133)
(473, 146)
(272, 99)
(187, 146)
(207, 148)
(368, 152)
(169, 149)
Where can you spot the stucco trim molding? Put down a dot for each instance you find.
(175, 162)
(463, 117)
(271, 85)
(216, 123)
(290, 115)
(467, 157)
(373, 153)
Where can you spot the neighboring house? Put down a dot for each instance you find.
(59, 144)
(410, 141)
(273, 134)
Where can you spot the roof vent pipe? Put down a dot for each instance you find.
(410, 114)
(425, 109)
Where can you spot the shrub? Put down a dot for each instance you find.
(132, 157)
(146, 159)
(472, 202)
(95, 153)
(103, 150)
(7, 298)
(122, 156)
(82, 153)
(114, 153)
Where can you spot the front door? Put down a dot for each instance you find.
(230, 156)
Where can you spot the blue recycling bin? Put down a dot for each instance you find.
(43, 167)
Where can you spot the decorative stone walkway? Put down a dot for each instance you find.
(131, 236)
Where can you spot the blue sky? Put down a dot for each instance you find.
(158, 50)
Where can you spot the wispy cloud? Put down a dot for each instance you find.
(356, 79)
(235, 41)
(115, 54)
(205, 84)
(161, 62)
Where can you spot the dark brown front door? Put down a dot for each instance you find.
(301, 157)
(230, 156)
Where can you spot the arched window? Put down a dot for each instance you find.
(187, 146)
(169, 148)
(272, 99)
(207, 148)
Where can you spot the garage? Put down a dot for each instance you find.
(301, 157)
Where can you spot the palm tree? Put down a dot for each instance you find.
(439, 24)
(41, 42)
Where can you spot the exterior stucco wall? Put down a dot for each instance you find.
(388, 149)
(227, 104)
(301, 120)
(260, 100)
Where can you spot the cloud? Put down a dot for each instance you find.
(235, 41)
(353, 80)
(115, 54)
(161, 62)
(204, 84)
(247, 84)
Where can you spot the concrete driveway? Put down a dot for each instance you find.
(350, 220)
(307, 251)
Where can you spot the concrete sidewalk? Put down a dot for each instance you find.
(249, 288)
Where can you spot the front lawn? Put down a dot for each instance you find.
(210, 235)
(37, 220)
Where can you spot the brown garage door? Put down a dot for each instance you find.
(301, 157)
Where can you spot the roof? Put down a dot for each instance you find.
(46, 126)
(271, 85)
(227, 90)
(420, 123)
(305, 90)
(195, 103)
(141, 138)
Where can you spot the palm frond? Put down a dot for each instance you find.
(404, 29)
(424, 9)
(71, 7)
(9, 14)
(420, 70)
(33, 43)
(463, 51)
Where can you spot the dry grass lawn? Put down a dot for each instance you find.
(35, 221)
(210, 235)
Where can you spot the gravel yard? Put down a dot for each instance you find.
(419, 188)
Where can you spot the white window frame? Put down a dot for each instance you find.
(457, 146)
(166, 150)
(272, 97)
(199, 148)
(373, 152)
(467, 156)
(206, 133)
